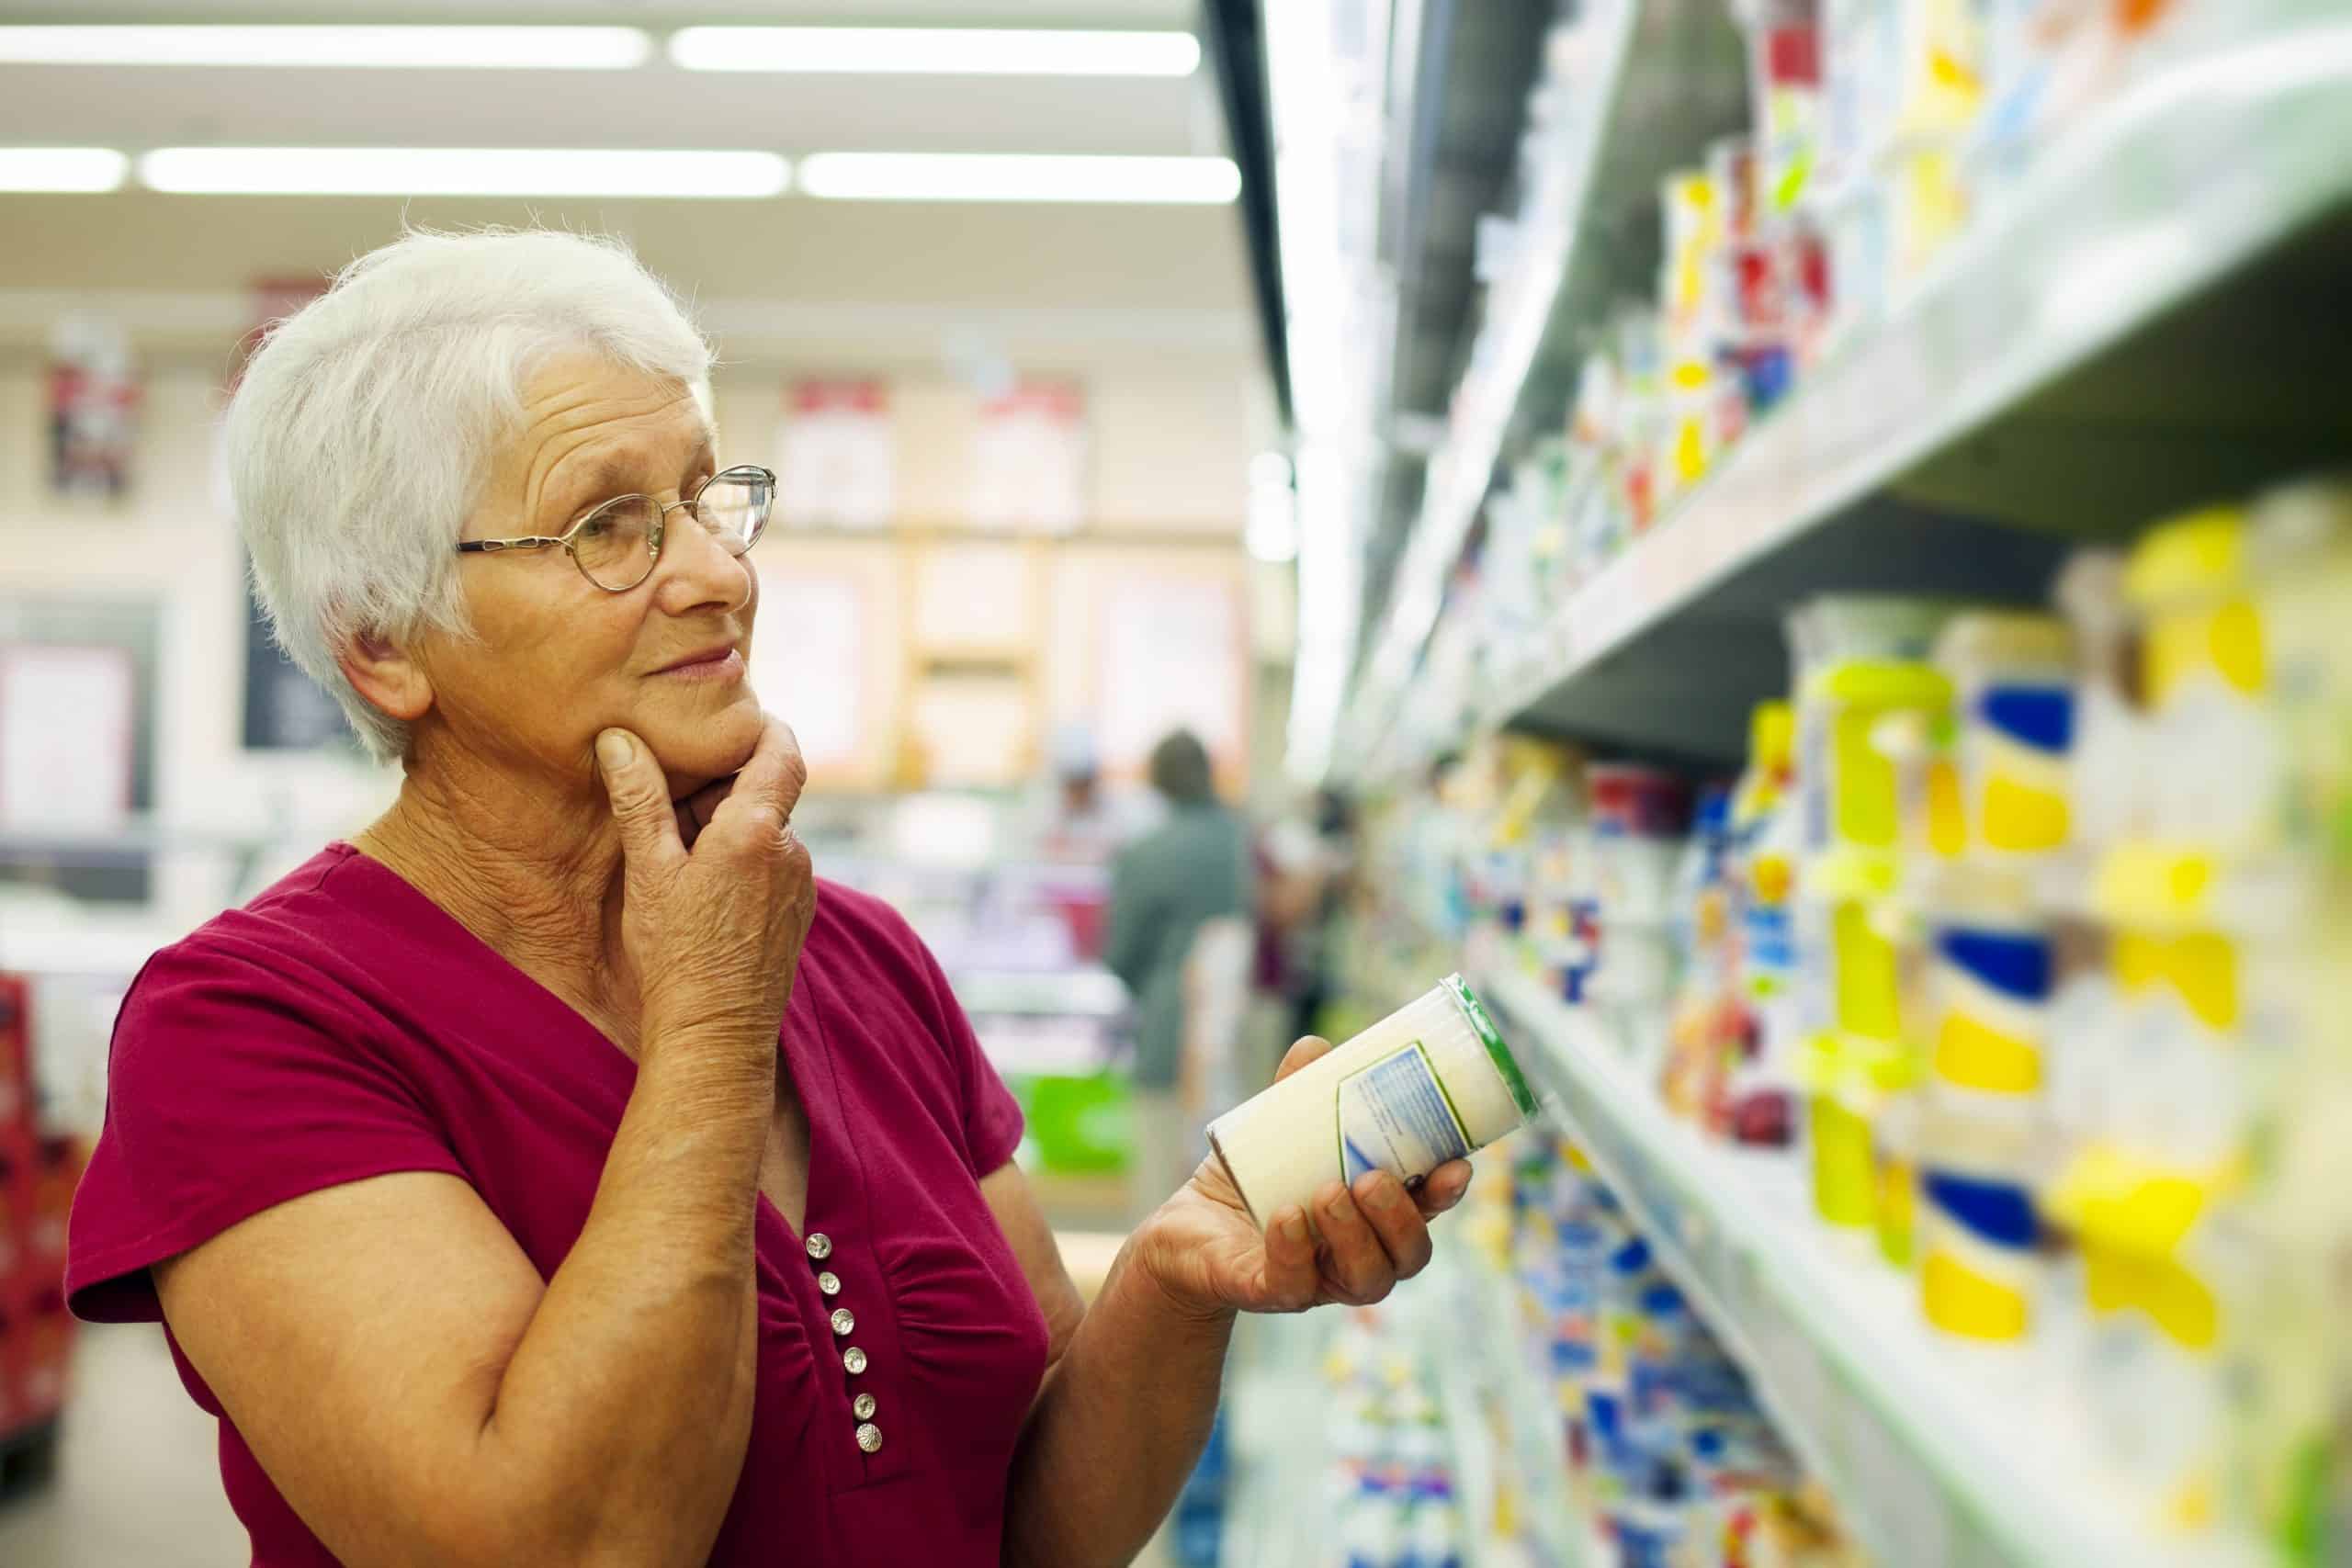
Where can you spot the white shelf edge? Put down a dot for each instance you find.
(1758, 1269)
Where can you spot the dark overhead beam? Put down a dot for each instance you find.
(1236, 37)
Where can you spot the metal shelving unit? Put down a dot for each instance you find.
(2147, 319)
(2129, 330)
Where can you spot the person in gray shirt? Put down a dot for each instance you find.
(1192, 869)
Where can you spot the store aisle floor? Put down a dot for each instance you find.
(137, 1481)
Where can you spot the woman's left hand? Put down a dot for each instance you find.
(1208, 1257)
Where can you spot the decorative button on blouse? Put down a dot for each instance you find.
(830, 1282)
(869, 1438)
(843, 1320)
(863, 1407)
(853, 1360)
(821, 1245)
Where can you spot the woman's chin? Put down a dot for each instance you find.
(713, 746)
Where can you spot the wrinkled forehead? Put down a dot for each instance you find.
(586, 423)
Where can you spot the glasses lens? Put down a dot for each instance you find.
(615, 546)
(734, 506)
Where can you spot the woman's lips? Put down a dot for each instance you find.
(727, 666)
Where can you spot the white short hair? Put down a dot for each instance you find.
(362, 433)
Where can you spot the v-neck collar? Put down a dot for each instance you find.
(575, 1049)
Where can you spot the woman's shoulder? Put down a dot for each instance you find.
(294, 948)
(249, 1063)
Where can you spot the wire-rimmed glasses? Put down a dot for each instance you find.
(617, 545)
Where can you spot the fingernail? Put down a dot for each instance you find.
(1331, 1195)
(1294, 1226)
(612, 750)
(1370, 1188)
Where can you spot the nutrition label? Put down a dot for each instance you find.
(1393, 1116)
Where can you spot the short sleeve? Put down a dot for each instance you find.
(230, 1088)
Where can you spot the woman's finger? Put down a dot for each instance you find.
(1290, 1262)
(1307, 1050)
(1388, 1208)
(1356, 1260)
(768, 787)
(1445, 1188)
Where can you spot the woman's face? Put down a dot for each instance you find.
(555, 659)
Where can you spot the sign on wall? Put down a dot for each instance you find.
(1171, 656)
(808, 661)
(93, 397)
(834, 456)
(68, 728)
(1030, 459)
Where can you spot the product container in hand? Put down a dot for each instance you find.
(1429, 1083)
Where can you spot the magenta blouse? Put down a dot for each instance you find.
(342, 1025)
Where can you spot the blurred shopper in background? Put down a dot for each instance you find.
(561, 1172)
(1082, 823)
(1191, 869)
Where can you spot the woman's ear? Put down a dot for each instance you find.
(387, 675)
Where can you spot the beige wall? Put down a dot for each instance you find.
(1170, 446)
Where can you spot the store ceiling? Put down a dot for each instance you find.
(1069, 281)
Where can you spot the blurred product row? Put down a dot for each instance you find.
(1878, 130)
(2020, 936)
(1604, 1424)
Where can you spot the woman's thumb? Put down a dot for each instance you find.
(640, 798)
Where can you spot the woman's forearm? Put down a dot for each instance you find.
(1118, 1427)
(628, 1402)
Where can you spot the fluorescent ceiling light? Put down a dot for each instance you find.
(1016, 176)
(61, 168)
(520, 48)
(461, 171)
(936, 51)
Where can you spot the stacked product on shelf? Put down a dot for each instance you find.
(2023, 933)
(1673, 1462)
(1389, 1486)
(37, 1178)
(1879, 131)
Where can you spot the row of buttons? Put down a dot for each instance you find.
(853, 1360)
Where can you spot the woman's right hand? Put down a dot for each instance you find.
(713, 932)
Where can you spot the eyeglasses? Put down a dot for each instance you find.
(615, 546)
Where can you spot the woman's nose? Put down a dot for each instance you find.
(696, 570)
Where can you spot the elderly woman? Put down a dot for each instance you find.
(560, 1172)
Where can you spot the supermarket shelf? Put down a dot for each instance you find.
(2125, 332)
(1667, 78)
(1943, 1457)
